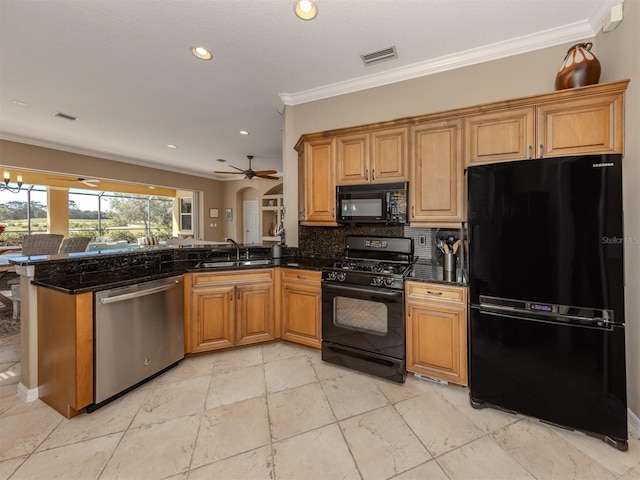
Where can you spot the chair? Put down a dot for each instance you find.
(74, 244)
(41, 244)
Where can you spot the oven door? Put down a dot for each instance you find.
(366, 319)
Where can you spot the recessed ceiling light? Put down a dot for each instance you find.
(243, 132)
(305, 9)
(171, 145)
(201, 52)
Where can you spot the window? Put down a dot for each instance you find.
(23, 213)
(186, 214)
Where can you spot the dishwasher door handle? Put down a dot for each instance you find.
(141, 293)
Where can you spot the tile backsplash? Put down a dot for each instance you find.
(328, 242)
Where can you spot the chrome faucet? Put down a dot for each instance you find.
(231, 240)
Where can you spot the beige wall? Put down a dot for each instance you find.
(29, 157)
(618, 54)
(519, 76)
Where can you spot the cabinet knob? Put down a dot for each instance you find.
(373, 174)
(413, 212)
(541, 151)
(366, 174)
(433, 293)
(530, 152)
(302, 277)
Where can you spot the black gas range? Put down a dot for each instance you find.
(363, 324)
(373, 261)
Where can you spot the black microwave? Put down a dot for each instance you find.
(377, 203)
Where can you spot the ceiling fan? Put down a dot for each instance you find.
(250, 173)
(89, 182)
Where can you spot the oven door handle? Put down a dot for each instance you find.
(378, 291)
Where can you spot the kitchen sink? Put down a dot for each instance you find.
(235, 263)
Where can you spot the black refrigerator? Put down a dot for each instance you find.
(546, 292)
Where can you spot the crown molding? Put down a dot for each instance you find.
(528, 43)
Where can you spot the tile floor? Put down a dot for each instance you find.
(277, 411)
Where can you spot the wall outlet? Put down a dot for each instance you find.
(422, 239)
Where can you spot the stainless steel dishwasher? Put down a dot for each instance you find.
(139, 332)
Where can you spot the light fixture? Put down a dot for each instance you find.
(243, 132)
(171, 145)
(202, 53)
(305, 9)
(7, 187)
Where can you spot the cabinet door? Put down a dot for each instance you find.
(581, 126)
(500, 136)
(389, 155)
(255, 313)
(352, 159)
(436, 341)
(436, 183)
(320, 185)
(301, 312)
(212, 318)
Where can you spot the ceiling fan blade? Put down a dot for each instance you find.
(264, 172)
(268, 177)
(230, 173)
(237, 168)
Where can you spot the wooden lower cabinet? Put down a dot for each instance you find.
(437, 331)
(65, 350)
(229, 308)
(301, 306)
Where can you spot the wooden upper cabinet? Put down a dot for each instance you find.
(587, 120)
(390, 155)
(581, 126)
(352, 159)
(436, 183)
(379, 156)
(319, 182)
(498, 136)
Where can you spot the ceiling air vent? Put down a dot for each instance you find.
(379, 56)
(65, 116)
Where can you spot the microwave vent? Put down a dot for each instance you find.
(378, 56)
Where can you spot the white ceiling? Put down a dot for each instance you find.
(124, 66)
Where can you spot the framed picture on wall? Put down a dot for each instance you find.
(228, 214)
(213, 213)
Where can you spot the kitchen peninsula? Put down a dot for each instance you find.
(61, 288)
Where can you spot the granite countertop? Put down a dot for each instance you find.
(428, 272)
(431, 272)
(104, 280)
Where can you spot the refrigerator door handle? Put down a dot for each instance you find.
(599, 323)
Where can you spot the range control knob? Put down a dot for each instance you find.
(388, 281)
(331, 275)
(342, 276)
(377, 281)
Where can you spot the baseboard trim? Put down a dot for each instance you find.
(26, 394)
(634, 421)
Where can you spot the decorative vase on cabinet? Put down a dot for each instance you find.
(579, 68)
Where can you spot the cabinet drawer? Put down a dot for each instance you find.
(301, 275)
(436, 292)
(238, 276)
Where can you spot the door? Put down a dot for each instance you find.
(368, 319)
(436, 184)
(548, 230)
(255, 313)
(251, 221)
(213, 311)
(566, 374)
